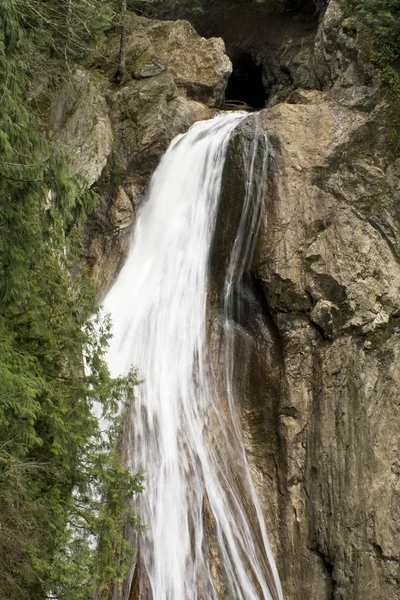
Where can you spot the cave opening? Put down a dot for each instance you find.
(245, 83)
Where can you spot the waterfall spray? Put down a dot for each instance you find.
(205, 540)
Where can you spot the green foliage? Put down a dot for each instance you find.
(187, 8)
(93, 551)
(382, 17)
(394, 138)
(64, 495)
(64, 28)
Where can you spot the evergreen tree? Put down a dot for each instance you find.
(64, 495)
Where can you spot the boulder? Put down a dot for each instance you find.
(81, 122)
(341, 59)
(199, 67)
(116, 134)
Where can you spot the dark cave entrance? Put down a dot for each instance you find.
(245, 83)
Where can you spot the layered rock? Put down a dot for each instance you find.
(325, 358)
(331, 278)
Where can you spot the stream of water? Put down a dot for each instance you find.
(206, 538)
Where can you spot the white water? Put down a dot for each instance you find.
(158, 309)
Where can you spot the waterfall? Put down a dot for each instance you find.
(206, 538)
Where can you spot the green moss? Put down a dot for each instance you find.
(381, 19)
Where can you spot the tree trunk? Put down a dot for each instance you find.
(120, 74)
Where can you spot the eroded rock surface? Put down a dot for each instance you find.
(327, 263)
(319, 386)
(332, 281)
(116, 134)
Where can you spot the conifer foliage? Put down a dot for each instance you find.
(382, 18)
(64, 495)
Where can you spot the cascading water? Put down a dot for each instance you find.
(206, 538)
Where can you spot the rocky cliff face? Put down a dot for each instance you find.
(116, 135)
(321, 410)
(321, 401)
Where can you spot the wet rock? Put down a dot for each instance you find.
(327, 263)
(319, 349)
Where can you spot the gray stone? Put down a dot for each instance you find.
(154, 67)
(341, 60)
(330, 272)
(199, 66)
(81, 123)
(326, 315)
(116, 135)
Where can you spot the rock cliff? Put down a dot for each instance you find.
(116, 134)
(321, 400)
(321, 410)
